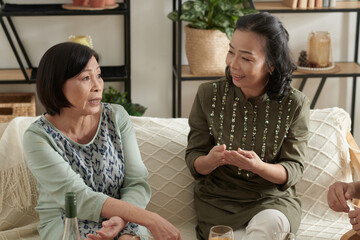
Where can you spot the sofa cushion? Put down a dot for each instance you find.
(162, 144)
(327, 160)
(18, 195)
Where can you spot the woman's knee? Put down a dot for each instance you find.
(269, 221)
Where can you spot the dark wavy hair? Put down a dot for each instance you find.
(276, 49)
(57, 65)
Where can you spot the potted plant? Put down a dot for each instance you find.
(211, 25)
(111, 95)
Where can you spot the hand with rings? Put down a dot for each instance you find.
(354, 219)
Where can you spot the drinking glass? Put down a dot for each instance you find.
(283, 236)
(142, 237)
(221, 232)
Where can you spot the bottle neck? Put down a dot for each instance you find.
(71, 229)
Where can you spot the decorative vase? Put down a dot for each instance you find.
(206, 51)
(82, 3)
(110, 2)
(84, 40)
(97, 3)
(319, 49)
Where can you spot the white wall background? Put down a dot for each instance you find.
(151, 53)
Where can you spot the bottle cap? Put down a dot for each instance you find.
(70, 205)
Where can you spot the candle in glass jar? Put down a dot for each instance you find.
(319, 49)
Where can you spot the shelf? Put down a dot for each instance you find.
(56, 10)
(13, 74)
(278, 7)
(187, 75)
(110, 73)
(18, 76)
(347, 69)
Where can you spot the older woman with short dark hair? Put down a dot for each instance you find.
(248, 134)
(84, 146)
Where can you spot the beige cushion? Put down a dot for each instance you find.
(162, 144)
(163, 141)
(327, 161)
(18, 196)
(2, 128)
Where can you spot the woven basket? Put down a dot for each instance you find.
(16, 104)
(206, 51)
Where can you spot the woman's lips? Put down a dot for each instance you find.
(95, 101)
(237, 77)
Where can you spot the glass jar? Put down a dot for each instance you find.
(319, 49)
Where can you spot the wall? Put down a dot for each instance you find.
(151, 51)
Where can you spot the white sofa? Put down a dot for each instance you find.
(162, 144)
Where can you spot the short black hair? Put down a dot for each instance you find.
(58, 64)
(276, 48)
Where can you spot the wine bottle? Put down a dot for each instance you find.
(71, 229)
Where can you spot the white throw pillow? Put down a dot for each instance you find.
(327, 160)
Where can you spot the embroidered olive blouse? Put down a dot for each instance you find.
(276, 130)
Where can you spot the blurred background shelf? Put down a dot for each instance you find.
(26, 73)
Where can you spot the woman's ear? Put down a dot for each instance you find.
(271, 70)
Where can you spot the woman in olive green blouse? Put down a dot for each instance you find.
(248, 134)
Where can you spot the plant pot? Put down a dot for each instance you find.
(80, 2)
(97, 3)
(206, 51)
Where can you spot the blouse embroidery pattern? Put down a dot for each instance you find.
(245, 120)
(99, 163)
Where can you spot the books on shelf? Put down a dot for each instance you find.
(318, 3)
(309, 4)
(302, 4)
(290, 3)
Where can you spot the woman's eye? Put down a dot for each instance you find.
(246, 59)
(230, 52)
(86, 78)
(99, 75)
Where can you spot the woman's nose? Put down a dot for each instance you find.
(97, 83)
(234, 63)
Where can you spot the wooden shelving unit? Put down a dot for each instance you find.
(279, 7)
(26, 73)
(347, 69)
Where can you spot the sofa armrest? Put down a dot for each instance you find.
(350, 235)
(354, 152)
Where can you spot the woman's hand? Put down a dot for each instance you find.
(247, 160)
(250, 161)
(161, 229)
(109, 230)
(355, 219)
(338, 194)
(126, 237)
(215, 158)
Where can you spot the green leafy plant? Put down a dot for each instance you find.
(212, 14)
(111, 95)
